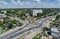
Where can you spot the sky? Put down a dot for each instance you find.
(29, 4)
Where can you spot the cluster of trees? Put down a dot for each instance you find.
(48, 12)
(1, 25)
(56, 22)
(9, 24)
(57, 17)
(15, 12)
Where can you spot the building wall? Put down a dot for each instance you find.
(3, 11)
(37, 11)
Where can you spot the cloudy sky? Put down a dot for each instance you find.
(29, 4)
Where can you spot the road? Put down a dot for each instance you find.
(12, 35)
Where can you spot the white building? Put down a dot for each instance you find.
(55, 31)
(27, 15)
(3, 11)
(35, 11)
(2, 15)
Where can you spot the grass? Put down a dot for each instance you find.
(37, 36)
(1, 32)
(28, 32)
(22, 37)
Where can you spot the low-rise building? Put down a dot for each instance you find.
(27, 15)
(2, 15)
(3, 11)
(55, 31)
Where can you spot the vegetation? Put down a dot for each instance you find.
(56, 22)
(45, 29)
(21, 16)
(17, 13)
(57, 17)
(38, 36)
(1, 26)
(47, 12)
(20, 24)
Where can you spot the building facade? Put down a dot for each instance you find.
(35, 11)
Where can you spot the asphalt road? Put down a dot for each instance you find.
(13, 32)
(10, 36)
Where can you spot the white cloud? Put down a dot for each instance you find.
(37, 0)
(13, 2)
(35, 3)
(58, 0)
(17, 2)
(3, 2)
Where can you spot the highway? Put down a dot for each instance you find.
(19, 32)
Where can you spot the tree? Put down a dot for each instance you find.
(20, 24)
(1, 26)
(57, 17)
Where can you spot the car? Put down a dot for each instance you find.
(29, 28)
(20, 28)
